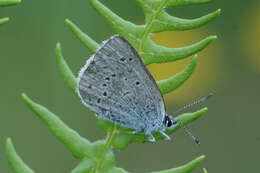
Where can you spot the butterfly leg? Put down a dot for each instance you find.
(150, 137)
(165, 135)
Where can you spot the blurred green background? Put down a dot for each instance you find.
(229, 67)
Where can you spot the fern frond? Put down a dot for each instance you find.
(97, 157)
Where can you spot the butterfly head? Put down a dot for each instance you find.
(169, 122)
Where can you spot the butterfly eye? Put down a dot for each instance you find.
(169, 123)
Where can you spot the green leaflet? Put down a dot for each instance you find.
(205, 170)
(4, 20)
(14, 160)
(185, 168)
(9, 2)
(165, 21)
(96, 156)
(78, 146)
(170, 84)
(4, 3)
(67, 74)
(84, 38)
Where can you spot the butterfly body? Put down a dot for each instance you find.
(116, 86)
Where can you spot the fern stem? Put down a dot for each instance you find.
(150, 24)
(106, 148)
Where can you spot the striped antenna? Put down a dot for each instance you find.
(188, 132)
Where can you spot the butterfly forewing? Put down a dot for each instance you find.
(117, 87)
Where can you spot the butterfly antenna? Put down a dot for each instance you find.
(194, 138)
(188, 132)
(205, 98)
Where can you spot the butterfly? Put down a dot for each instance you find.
(116, 86)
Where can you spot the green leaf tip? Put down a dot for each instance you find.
(205, 170)
(9, 2)
(4, 20)
(213, 37)
(65, 70)
(79, 146)
(187, 168)
(84, 38)
(14, 160)
(172, 83)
